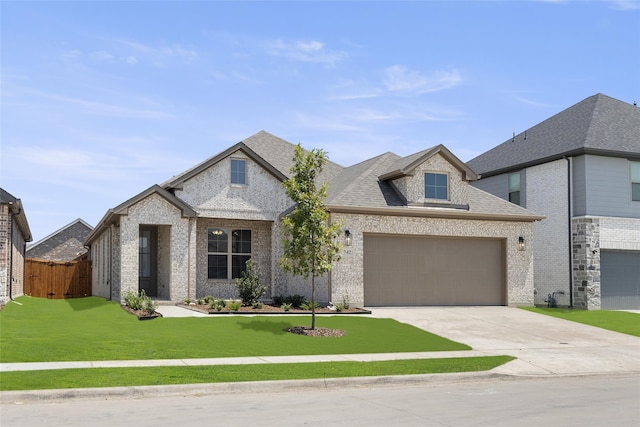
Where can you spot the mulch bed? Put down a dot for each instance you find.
(142, 315)
(270, 309)
(317, 332)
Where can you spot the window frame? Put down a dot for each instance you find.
(232, 253)
(512, 191)
(634, 178)
(435, 186)
(236, 174)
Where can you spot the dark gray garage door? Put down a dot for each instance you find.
(416, 270)
(620, 280)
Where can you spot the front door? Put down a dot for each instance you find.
(148, 261)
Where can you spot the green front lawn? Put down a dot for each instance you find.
(618, 321)
(127, 377)
(42, 330)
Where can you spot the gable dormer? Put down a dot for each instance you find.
(432, 178)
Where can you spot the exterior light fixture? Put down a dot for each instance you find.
(347, 237)
(521, 243)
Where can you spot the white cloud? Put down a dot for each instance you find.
(625, 5)
(401, 79)
(104, 109)
(305, 51)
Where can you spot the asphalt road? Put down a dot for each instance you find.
(562, 401)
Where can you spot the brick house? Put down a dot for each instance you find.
(65, 244)
(581, 169)
(415, 232)
(14, 235)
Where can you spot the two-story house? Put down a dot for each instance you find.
(580, 169)
(414, 232)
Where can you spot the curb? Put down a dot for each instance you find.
(139, 392)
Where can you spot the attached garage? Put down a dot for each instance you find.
(402, 270)
(620, 280)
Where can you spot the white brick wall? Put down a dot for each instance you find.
(546, 193)
(155, 210)
(412, 187)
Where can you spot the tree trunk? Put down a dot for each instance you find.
(313, 302)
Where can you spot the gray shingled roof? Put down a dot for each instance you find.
(599, 125)
(358, 185)
(406, 165)
(272, 153)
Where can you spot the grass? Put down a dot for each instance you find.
(618, 321)
(80, 329)
(126, 377)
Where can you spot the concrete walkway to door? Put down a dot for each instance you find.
(544, 345)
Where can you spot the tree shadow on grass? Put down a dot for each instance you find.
(266, 325)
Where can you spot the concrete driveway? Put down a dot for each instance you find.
(543, 345)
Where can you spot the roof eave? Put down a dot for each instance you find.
(433, 213)
(572, 153)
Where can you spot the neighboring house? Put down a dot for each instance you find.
(581, 169)
(14, 235)
(415, 232)
(65, 244)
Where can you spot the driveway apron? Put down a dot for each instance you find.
(544, 345)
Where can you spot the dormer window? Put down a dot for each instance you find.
(238, 171)
(436, 186)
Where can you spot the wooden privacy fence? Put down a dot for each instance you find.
(57, 280)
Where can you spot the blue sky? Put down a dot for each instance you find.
(101, 100)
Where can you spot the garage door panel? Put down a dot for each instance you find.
(620, 280)
(407, 270)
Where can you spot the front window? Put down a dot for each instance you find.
(514, 188)
(436, 186)
(238, 171)
(635, 181)
(227, 258)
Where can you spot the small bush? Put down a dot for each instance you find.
(285, 306)
(200, 301)
(258, 305)
(343, 305)
(234, 305)
(249, 287)
(208, 299)
(294, 300)
(308, 306)
(217, 304)
(187, 301)
(140, 301)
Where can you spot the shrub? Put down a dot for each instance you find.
(285, 306)
(187, 301)
(218, 304)
(293, 300)
(140, 301)
(344, 304)
(258, 305)
(234, 305)
(249, 287)
(208, 299)
(308, 306)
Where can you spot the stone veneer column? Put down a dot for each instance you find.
(586, 263)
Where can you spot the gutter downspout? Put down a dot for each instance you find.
(110, 263)
(569, 224)
(11, 215)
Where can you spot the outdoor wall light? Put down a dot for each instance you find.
(521, 243)
(347, 237)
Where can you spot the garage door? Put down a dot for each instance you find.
(620, 280)
(416, 270)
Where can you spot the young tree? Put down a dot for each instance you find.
(310, 241)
